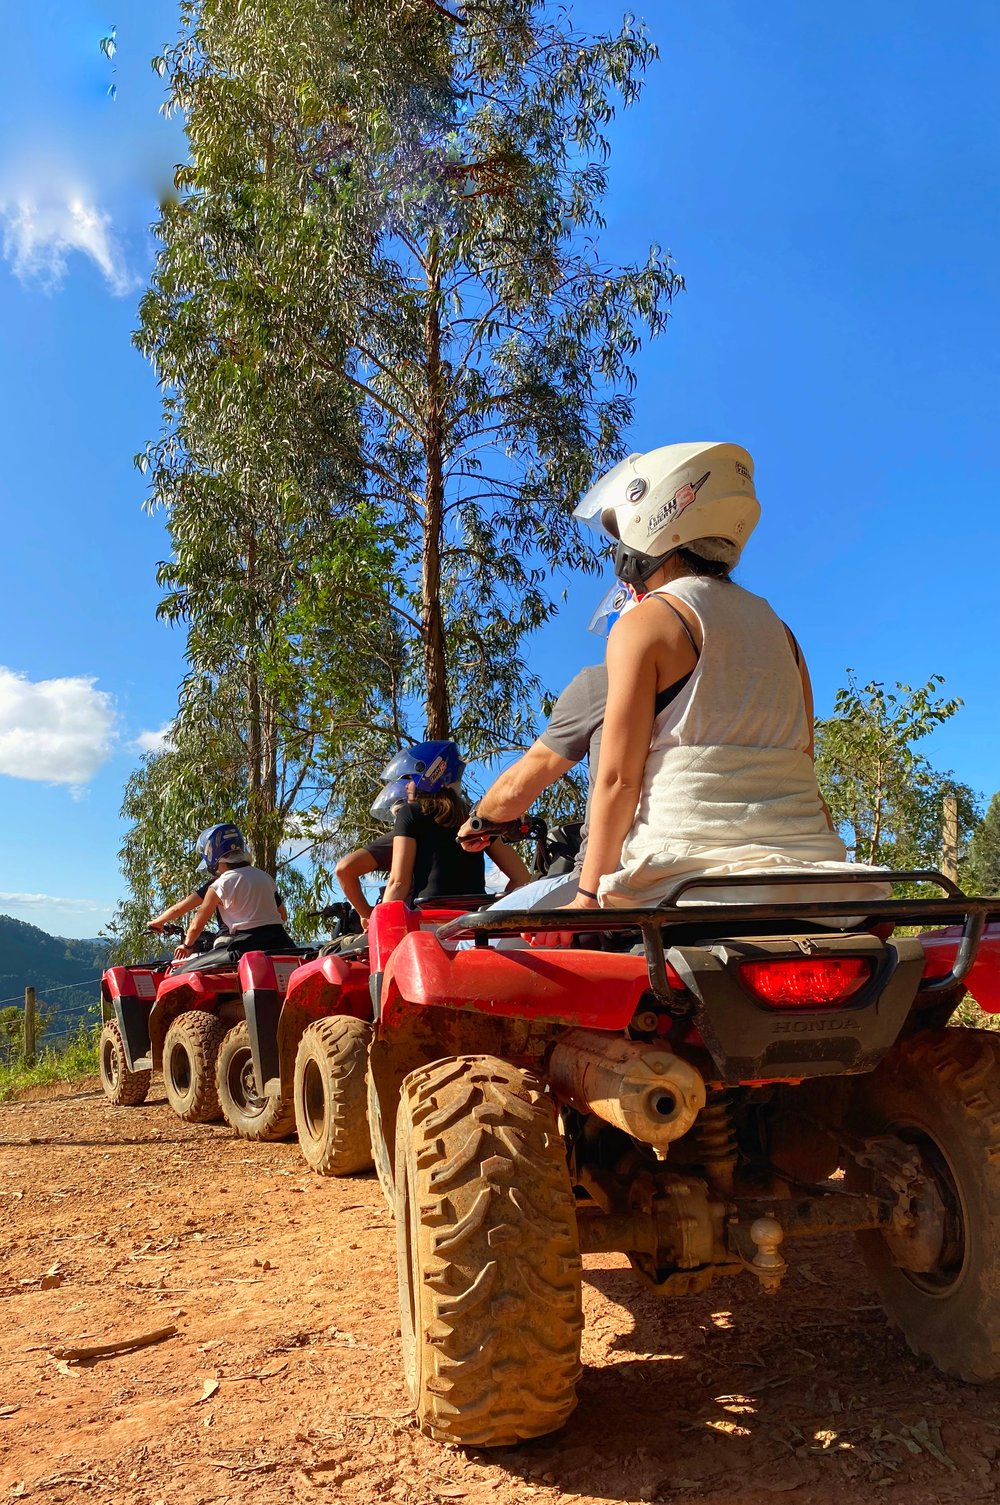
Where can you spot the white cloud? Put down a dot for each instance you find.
(155, 742)
(54, 731)
(39, 237)
(50, 901)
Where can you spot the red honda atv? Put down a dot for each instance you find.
(687, 1100)
(185, 1018)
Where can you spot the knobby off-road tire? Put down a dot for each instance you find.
(189, 1056)
(488, 1254)
(252, 1117)
(941, 1092)
(122, 1088)
(330, 1096)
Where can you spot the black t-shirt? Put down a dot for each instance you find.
(380, 851)
(441, 868)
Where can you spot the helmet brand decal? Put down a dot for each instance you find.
(435, 771)
(682, 498)
(743, 470)
(636, 489)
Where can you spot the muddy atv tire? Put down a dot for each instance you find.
(940, 1092)
(123, 1088)
(190, 1052)
(488, 1254)
(330, 1096)
(251, 1116)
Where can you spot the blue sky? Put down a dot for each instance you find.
(827, 181)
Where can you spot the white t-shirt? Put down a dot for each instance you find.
(246, 898)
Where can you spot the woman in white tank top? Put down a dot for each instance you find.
(706, 761)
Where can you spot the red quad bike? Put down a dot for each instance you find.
(185, 1018)
(308, 1044)
(686, 1102)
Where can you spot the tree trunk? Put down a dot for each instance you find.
(431, 614)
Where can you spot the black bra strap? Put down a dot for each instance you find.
(690, 635)
(794, 644)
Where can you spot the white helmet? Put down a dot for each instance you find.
(697, 496)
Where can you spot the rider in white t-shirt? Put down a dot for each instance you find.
(244, 896)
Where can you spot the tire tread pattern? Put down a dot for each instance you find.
(338, 1046)
(497, 1272)
(126, 1089)
(203, 1035)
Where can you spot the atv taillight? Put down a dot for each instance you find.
(806, 982)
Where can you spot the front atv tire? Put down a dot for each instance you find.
(940, 1092)
(330, 1096)
(488, 1254)
(252, 1117)
(190, 1052)
(123, 1087)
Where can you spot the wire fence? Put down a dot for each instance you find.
(86, 982)
(50, 1027)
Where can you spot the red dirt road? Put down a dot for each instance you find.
(283, 1381)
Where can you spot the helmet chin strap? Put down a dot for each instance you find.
(635, 569)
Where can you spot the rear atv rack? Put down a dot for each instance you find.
(686, 924)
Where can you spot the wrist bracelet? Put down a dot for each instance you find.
(586, 893)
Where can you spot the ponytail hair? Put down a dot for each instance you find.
(446, 807)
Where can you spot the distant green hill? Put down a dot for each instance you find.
(60, 970)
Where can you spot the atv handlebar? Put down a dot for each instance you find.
(519, 829)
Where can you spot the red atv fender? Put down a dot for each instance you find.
(130, 992)
(588, 989)
(317, 989)
(983, 980)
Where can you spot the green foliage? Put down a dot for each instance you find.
(76, 1058)
(884, 796)
(981, 871)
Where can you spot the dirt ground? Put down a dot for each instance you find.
(283, 1380)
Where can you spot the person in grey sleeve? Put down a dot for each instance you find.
(573, 733)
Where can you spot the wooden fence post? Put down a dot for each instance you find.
(29, 1026)
(949, 838)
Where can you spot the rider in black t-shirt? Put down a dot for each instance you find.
(427, 861)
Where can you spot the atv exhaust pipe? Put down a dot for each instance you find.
(643, 1089)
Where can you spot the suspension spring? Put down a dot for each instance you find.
(717, 1142)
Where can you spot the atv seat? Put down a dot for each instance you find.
(223, 957)
(220, 958)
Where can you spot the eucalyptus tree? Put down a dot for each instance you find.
(400, 204)
(257, 466)
(488, 340)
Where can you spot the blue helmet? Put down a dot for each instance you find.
(431, 766)
(389, 799)
(222, 844)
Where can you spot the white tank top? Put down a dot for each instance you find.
(729, 785)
